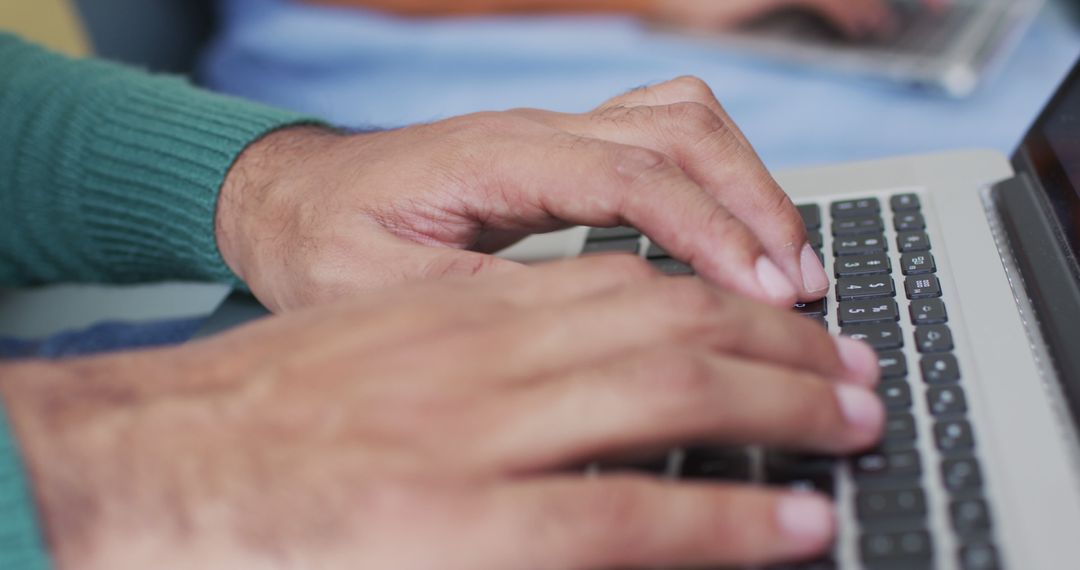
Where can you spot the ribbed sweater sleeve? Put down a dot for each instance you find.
(111, 175)
(106, 175)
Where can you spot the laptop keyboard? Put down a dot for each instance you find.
(917, 501)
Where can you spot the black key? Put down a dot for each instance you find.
(940, 369)
(946, 400)
(820, 256)
(854, 288)
(811, 215)
(861, 312)
(905, 202)
(824, 564)
(979, 556)
(908, 242)
(893, 364)
(928, 312)
(621, 232)
(856, 208)
(917, 263)
(961, 475)
(649, 465)
(909, 222)
(717, 464)
(890, 504)
(884, 464)
(815, 239)
(933, 338)
(953, 435)
(859, 245)
(821, 321)
(922, 287)
(817, 308)
(800, 472)
(969, 517)
(899, 428)
(885, 336)
(656, 252)
(672, 267)
(896, 395)
(612, 246)
(911, 549)
(856, 226)
(855, 266)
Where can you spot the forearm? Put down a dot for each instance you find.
(111, 175)
(448, 7)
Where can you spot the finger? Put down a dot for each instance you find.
(628, 522)
(669, 397)
(701, 144)
(600, 183)
(656, 313)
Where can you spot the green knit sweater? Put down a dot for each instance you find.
(106, 175)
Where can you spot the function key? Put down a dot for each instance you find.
(961, 475)
(813, 309)
(672, 267)
(854, 288)
(946, 400)
(917, 263)
(855, 226)
(612, 246)
(856, 208)
(861, 312)
(811, 215)
(922, 287)
(971, 516)
(859, 245)
(933, 338)
(928, 312)
(911, 549)
(884, 336)
(953, 435)
(889, 504)
(621, 232)
(717, 464)
(656, 252)
(940, 369)
(909, 242)
(899, 428)
(905, 202)
(857, 265)
(893, 364)
(979, 556)
(909, 222)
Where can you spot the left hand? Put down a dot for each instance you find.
(307, 216)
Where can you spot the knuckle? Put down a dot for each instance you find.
(696, 117)
(634, 164)
(692, 87)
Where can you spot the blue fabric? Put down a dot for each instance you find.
(363, 69)
(101, 338)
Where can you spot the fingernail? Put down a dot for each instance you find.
(860, 360)
(814, 278)
(773, 281)
(861, 408)
(806, 519)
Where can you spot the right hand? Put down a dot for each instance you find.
(435, 426)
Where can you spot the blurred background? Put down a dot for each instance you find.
(366, 68)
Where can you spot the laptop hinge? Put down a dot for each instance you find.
(1049, 274)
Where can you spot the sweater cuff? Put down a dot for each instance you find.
(21, 544)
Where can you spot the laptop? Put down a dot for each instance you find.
(948, 50)
(963, 270)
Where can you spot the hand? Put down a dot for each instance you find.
(306, 216)
(855, 18)
(436, 426)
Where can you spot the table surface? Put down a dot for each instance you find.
(362, 69)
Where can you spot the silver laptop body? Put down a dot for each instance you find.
(981, 466)
(950, 51)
